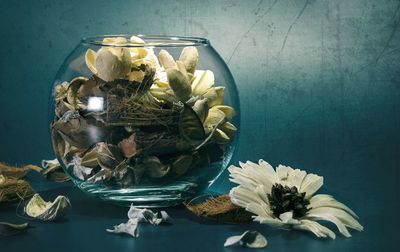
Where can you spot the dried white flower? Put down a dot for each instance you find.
(146, 215)
(47, 211)
(249, 239)
(131, 228)
(285, 197)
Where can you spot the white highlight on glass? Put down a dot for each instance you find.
(95, 103)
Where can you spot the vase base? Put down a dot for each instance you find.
(145, 196)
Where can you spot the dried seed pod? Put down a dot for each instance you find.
(167, 61)
(190, 57)
(179, 84)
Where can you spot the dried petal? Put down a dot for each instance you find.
(131, 228)
(202, 82)
(215, 95)
(113, 63)
(201, 108)
(189, 56)
(228, 111)
(90, 59)
(47, 211)
(249, 239)
(146, 215)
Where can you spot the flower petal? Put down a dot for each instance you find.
(90, 59)
(275, 222)
(340, 214)
(323, 200)
(296, 178)
(256, 173)
(331, 218)
(203, 81)
(283, 172)
(242, 197)
(315, 228)
(311, 184)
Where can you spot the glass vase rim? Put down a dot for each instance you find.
(150, 41)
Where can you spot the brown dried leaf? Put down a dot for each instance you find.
(220, 209)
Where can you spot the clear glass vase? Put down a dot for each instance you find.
(144, 120)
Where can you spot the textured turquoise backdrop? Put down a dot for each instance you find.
(318, 81)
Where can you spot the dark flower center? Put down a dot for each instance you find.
(284, 199)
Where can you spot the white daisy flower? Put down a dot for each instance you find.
(285, 198)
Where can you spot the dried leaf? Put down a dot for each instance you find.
(131, 228)
(79, 170)
(220, 209)
(249, 239)
(17, 172)
(53, 171)
(12, 229)
(108, 156)
(47, 211)
(191, 127)
(182, 164)
(189, 56)
(103, 175)
(154, 167)
(128, 146)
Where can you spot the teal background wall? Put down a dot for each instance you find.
(318, 81)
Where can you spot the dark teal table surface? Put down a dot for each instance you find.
(319, 87)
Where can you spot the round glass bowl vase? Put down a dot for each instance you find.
(144, 120)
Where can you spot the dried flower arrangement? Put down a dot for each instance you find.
(139, 117)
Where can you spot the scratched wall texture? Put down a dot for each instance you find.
(318, 80)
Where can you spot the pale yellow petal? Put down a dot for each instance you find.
(90, 59)
(203, 80)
